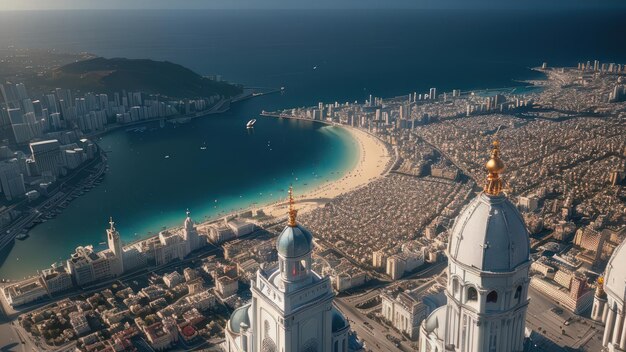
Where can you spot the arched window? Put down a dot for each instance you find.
(492, 297)
(336, 349)
(518, 294)
(455, 286)
(472, 294)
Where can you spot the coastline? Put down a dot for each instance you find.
(373, 161)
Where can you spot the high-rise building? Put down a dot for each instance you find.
(433, 94)
(47, 156)
(292, 306)
(488, 265)
(11, 179)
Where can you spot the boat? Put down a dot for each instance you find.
(251, 123)
(22, 236)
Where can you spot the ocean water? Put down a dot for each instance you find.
(356, 53)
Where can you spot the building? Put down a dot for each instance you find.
(26, 291)
(47, 156)
(79, 323)
(488, 264)
(56, 279)
(190, 235)
(292, 306)
(115, 246)
(11, 179)
(405, 311)
(609, 298)
(87, 266)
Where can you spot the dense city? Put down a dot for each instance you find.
(382, 247)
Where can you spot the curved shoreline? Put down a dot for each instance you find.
(373, 162)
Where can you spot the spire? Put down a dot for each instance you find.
(292, 210)
(112, 223)
(188, 212)
(495, 166)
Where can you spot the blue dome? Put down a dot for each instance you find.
(294, 241)
(338, 320)
(240, 315)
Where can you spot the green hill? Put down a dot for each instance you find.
(102, 75)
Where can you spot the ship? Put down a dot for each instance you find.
(22, 236)
(251, 123)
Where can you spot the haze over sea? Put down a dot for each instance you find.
(357, 53)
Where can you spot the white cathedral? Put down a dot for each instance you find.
(292, 306)
(608, 304)
(487, 289)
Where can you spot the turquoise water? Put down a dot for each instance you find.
(145, 191)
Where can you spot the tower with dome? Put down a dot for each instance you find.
(292, 306)
(488, 266)
(608, 303)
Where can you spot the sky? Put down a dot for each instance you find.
(305, 4)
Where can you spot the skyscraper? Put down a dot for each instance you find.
(488, 264)
(47, 155)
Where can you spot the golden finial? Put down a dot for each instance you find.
(600, 287)
(292, 210)
(495, 166)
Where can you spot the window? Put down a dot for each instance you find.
(472, 294)
(492, 297)
(518, 294)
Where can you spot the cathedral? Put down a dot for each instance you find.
(488, 264)
(292, 306)
(608, 303)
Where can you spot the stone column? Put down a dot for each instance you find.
(478, 336)
(608, 328)
(622, 340)
(617, 328)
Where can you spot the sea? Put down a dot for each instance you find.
(214, 165)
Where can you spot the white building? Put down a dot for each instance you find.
(608, 304)
(292, 306)
(488, 264)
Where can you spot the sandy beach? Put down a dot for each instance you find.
(373, 161)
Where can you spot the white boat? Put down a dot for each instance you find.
(251, 123)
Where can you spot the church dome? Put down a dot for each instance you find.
(615, 274)
(294, 241)
(240, 315)
(338, 320)
(489, 235)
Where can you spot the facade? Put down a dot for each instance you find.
(405, 311)
(292, 306)
(488, 265)
(47, 156)
(608, 305)
(56, 279)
